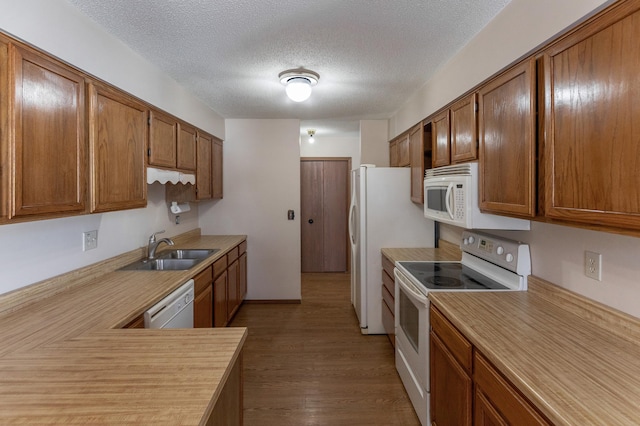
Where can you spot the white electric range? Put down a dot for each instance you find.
(489, 263)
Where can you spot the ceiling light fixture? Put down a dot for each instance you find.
(311, 133)
(298, 83)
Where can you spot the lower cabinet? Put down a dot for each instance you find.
(388, 299)
(462, 378)
(229, 285)
(228, 408)
(203, 299)
(450, 367)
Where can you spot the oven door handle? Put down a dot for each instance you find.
(410, 288)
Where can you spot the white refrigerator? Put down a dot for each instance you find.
(381, 215)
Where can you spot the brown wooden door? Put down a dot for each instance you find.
(49, 142)
(416, 146)
(464, 130)
(163, 134)
(323, 214)
(220, 300)
(186, 147)
(507, 117)
(216, 184)
(204, 170)
(592, 118)
(441, 139)
(118, 139)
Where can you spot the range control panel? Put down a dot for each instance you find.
(510, 254)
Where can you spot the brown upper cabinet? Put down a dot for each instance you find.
(400, 151)
(464, 129)
(455, 133)
(441, 139)
(48, 141)
(592, 117)
(186, 147)
(507, 118)
(118, 139)
(217, 165)
(204, 184)
(163, 138)
(416, 149)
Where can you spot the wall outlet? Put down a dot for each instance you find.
(593, 265)
(89, 240)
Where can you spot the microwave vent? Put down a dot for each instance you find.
(455, 170)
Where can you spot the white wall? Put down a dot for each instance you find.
(34, 251)
(261, 182)
(374, 142)
(332, 146)
(557, 252)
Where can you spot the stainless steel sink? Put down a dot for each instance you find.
(187, 253)
(172, 260)
(162, 265)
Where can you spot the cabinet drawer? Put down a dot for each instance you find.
(389, 283)
(388, 265)
(232, 255)
(389, 300)
(219, 266)
(202, 280)
(243, 247)
(512, 406)
(459, 346)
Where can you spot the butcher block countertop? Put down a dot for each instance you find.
(64, 358)
(576, 360)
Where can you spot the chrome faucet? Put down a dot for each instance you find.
(153, 244)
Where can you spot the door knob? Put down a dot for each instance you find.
(310, 220)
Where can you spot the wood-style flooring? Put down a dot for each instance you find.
(308, 363)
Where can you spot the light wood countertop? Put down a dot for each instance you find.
(576, 360)
(65, 360)
(447, 251)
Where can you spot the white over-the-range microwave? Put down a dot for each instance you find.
(451, 196)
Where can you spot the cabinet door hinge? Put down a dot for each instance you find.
(148, 121)
(476, 107)
(148, 152)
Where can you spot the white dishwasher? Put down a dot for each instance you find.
(174, 311)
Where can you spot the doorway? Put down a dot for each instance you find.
(324, 210)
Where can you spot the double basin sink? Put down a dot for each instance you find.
(172, 260)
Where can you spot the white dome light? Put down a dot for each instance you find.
(298, 83)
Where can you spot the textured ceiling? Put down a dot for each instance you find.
(371, 54)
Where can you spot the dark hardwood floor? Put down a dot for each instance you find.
(308, 364)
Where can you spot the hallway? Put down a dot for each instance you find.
(308, 364)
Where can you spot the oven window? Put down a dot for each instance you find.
(436, 199)
(409, 320)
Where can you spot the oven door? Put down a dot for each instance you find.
(412, 342)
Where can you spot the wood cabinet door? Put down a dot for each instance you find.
(441, 139)
(243, 276)
(233, 288)
(186, 153)
(118, 139)
(416, 147)
(216, 173)
(220, 300)
(507, 118)
(592, 116)
(394, 159)
(203, 167)
(451, 387)
(163, 137)
(485, 414)
(203, 309)
(404, 152)
(49, 142)
(464, 130)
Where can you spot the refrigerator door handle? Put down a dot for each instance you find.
(352, 215)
